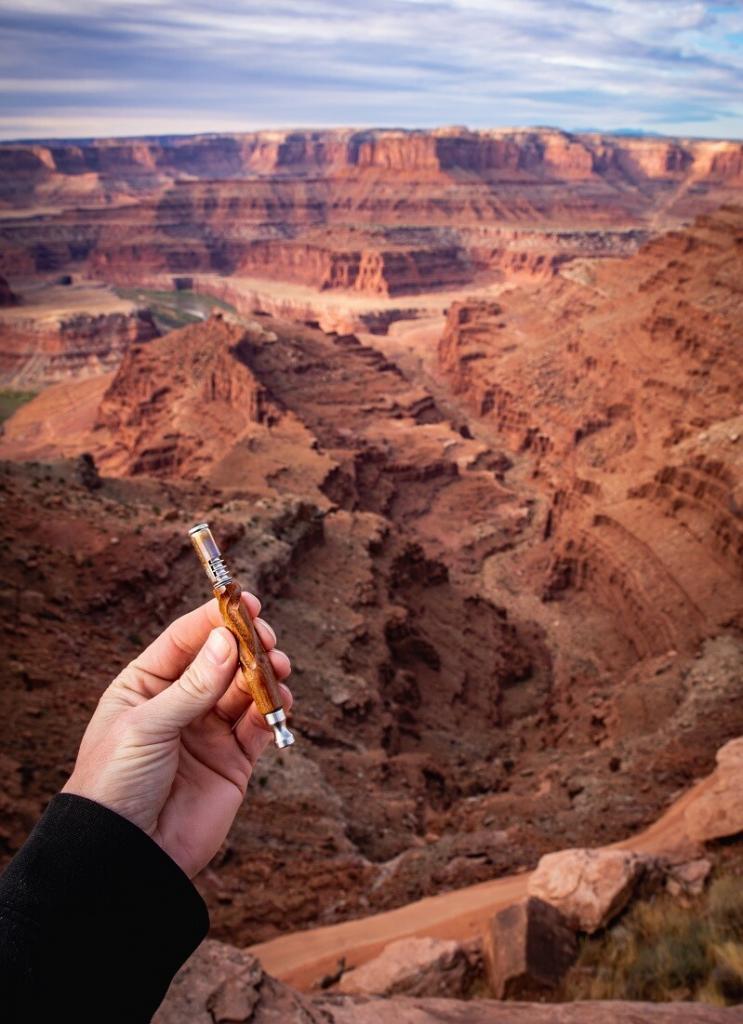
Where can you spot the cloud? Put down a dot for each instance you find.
(665, 65)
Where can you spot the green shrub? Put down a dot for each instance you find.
(11, 400)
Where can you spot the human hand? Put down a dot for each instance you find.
(173, 741)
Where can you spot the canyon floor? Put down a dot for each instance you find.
(499, 534)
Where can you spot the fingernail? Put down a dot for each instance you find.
(218, 647)
(269, 628)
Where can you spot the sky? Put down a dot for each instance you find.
(76, 68)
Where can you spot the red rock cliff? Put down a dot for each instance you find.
(625, 385)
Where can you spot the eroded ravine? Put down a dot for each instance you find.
(482, 673)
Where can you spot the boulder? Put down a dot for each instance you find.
(527, 947)
(718, 811)
(589, 887)
(221, 984)
(416, 967)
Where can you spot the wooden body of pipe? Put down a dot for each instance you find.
(258, 677)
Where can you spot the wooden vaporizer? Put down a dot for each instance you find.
(257, 672)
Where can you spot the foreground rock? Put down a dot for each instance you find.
(589, 887)
(719, 812)
(527, 947)
(447, 1011)
(222, 984)
(414, 967)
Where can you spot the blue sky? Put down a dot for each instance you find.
(71, 68)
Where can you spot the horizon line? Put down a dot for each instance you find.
(463, 129)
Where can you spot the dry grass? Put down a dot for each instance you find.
(663, 951)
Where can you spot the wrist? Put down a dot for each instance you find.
(95, 790)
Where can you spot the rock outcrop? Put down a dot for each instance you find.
(688, 878)
(221, 983)
(177, 404)
(113, 168)
(631, 421)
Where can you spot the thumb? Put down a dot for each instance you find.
(200, 686)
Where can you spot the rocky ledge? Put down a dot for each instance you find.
(221, 984)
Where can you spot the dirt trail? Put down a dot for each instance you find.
(303, 958)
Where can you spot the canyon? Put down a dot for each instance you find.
(477, 444)
(352, 229)
(380, 212)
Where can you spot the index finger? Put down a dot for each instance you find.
(170, 654)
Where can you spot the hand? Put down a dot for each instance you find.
(173, 741)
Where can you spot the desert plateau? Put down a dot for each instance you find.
(465, 410)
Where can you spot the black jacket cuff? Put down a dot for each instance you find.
(95, 909)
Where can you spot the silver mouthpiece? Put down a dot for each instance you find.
(210, 555)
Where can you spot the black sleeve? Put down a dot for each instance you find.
(95, 919)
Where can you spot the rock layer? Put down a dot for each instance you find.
(120, 167)
(375, 212)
